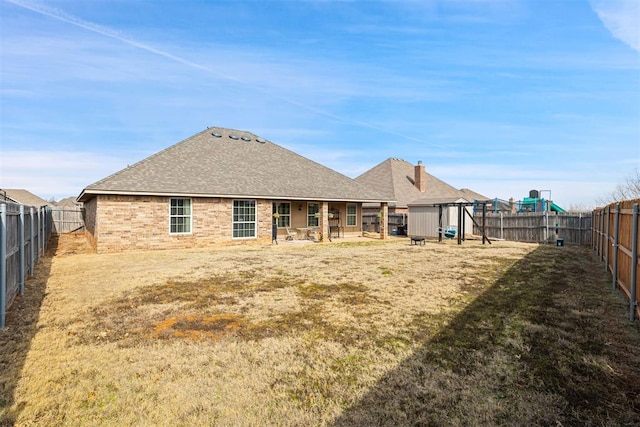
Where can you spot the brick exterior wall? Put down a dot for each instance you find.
(116, 223)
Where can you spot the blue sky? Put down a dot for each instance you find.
(500, 96)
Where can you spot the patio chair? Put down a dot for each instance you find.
(291, 234)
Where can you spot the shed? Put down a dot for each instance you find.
(425, 220)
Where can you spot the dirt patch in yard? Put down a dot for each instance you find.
(351, 333)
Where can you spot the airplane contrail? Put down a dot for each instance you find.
(60, 15)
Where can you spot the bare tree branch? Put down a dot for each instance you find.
(628, 190)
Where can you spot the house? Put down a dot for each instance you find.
(69, 202)
(418, 194)
(472, 195)
(221, 186)
(404, 183)
(23, 197)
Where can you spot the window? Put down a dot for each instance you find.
(244, 218)
(180, 216)
(352, 211)
(284, 210)
(312, 210)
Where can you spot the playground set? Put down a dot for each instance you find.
(534, 203)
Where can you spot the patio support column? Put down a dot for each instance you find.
(324, 221)
(384, 220)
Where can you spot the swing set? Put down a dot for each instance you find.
(452, 231)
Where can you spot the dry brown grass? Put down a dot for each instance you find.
(353, 333)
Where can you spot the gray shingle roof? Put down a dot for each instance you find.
(25, 197)
(222, 162)
(395, 177)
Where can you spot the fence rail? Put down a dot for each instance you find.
(615, 240)
(539, 227)
(24, 232)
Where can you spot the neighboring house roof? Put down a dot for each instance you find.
(396, 178)
(68, 202)
(472, 195)
(222, 162)
(24, 197)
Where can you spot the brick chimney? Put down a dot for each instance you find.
(420, 177)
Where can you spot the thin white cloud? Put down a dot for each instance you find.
(60, 15)
(622, 19)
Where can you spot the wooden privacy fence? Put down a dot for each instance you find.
(615, 240)
(66, 219)
(24, 231)
(396, 221)
(539, 227)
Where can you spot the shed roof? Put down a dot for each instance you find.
(432, 201)
(396, 178)
(219, 162)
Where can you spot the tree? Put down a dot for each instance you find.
(579, 207)
(628, 190)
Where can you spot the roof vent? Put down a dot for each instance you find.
(245, 138)
(232, 136)
(216, 134)
(260, 140)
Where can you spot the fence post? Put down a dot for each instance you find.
(484, 223)
(616, 235)
(45, 230)
(546, 224)
(601, 236)
(580, 228)
(3, 263)
(606, 243)
(634, 265)
(594, 240)
(22, 272)
(32, 248)
(39, 234)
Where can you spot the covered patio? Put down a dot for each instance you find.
(319, 220)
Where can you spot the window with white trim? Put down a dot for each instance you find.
(312, 218)
(284, 212)
(180, 216)
(244, 219)
(352, 215)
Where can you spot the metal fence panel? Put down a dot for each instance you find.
(23, 235)
(12, 254)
